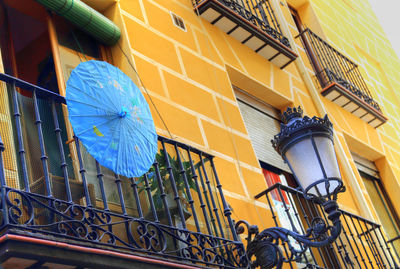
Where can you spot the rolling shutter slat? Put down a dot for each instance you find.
(262, 128)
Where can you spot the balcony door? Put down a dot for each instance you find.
(27, 55)
(43, 49)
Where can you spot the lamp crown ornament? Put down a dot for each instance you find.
(292, 113)
(295, 124)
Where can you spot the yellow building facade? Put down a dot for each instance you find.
(192, 74)
(199, 77)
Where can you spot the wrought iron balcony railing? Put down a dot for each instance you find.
(341, 80)
(360, 245)
(173, 212)
(251, 22)
(395, 243)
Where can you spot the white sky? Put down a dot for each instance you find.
(388, 14)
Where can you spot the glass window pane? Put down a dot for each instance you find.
(381, 206)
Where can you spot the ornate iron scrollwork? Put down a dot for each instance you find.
(264, 246)
(50, 216)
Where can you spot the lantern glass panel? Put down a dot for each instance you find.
(327, 153)
(304, 162)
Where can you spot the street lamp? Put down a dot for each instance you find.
(306, 145)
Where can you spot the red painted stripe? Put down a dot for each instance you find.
(93, 250)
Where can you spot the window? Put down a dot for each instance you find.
(255, 112)
(381, 202)
(178, 21)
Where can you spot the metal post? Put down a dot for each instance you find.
(101, 183)
(82, 171)
(173, 185)
(18, 125)
(43, 156)
(63, 161)
(3, 185)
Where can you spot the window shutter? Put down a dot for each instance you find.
(262, 124)
(365, 165)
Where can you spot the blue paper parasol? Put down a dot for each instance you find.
(111, 118)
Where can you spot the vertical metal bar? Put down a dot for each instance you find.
(120, 194)
(316, 48)
(324, 50)
(323, 47)
(3, 185)
(63, 162)
(162, 193)
(296, 214)
(358, 74)
(202, 205)
(360, 238)
(150, 197)
(273, 18)
(369, 243)
(346, 256)
(251, 14)
(394, 249)
(380, 244)
(305, 216)
(276, 224)
(350, 77)
(214, 205)
(21, 148)
(374, 244)
(43, 156)
(123, 207)
(61, 88)
(205, 193)
(339, 248)
(173, 185)
(348, 67)
(354, 240)
(137, 198)
(227, 210)
(286, 209)
(333, 55)
(248, 9)
(82, 171)
(388, 249)
(349, 242)
(309, 225)
(182, 173)
(101, 184)
(260, 15)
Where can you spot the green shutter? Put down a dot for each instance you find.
(86, 18)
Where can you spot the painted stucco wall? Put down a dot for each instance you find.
(189, 76)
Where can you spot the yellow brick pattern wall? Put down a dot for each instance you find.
(189, 76)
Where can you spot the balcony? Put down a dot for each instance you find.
(361, 244)
(341, 80)
(252, 23)
(59, 207)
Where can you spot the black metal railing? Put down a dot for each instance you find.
(360, 245)
(50, 186)
(395, 243)
(332, 66)
(259, 13)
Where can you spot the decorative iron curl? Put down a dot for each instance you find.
(265, 245)
(20, 208)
